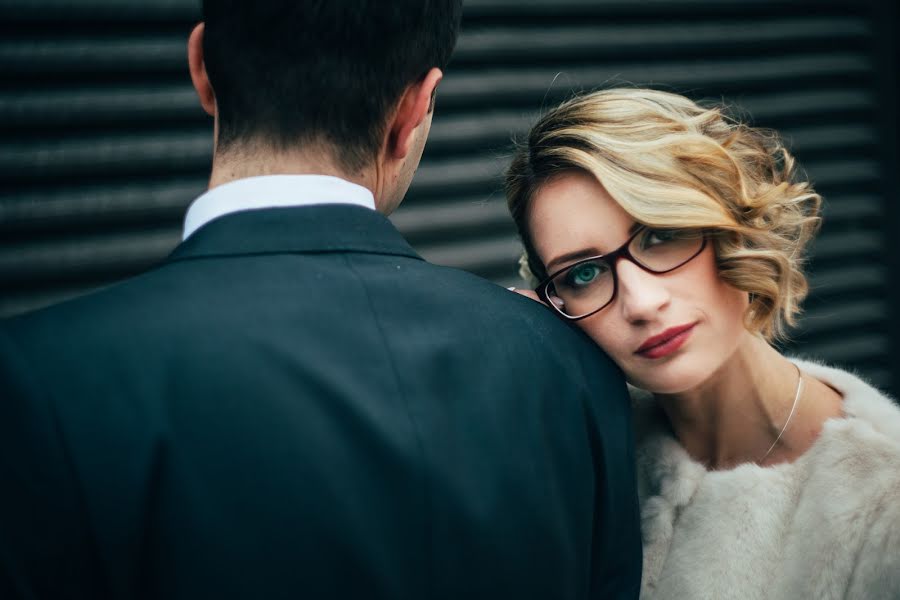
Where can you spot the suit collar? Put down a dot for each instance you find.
(308, 229)
(273, 191)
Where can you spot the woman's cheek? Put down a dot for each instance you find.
(609, 338)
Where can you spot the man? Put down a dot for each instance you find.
(294, 404)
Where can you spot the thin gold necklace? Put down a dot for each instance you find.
(793, 409)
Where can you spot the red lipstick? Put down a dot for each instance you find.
(666, 342)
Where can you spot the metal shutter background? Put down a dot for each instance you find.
(103, 145)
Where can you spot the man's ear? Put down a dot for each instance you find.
(199, 76)
(415, 104)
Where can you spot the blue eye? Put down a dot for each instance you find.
(584, 274)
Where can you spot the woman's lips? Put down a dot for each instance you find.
(666, 342)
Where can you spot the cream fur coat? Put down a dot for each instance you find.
(826, 526)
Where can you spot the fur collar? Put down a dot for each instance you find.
(865, 407)
(850, 449)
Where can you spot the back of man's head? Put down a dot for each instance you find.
(291, 72)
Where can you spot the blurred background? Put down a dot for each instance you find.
(103, 144)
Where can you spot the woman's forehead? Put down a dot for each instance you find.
(573, 210)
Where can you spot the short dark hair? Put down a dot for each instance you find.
(289, 72)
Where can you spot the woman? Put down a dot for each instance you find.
(674, 237)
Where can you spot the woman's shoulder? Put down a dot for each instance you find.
(857, 453)
(852, 482)
(855, 463)
(870, 415)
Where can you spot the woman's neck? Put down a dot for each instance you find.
(736, 414)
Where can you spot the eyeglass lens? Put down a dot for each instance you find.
(589, 285)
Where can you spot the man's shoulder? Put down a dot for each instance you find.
(110, 312)
(511, 312)
(494, 315)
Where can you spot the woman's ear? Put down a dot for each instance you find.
(415, 105)
(199, 77)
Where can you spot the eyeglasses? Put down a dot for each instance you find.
(590, 285)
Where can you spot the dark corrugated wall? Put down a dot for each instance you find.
(103, 145)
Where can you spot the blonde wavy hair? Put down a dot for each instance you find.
(670, 162)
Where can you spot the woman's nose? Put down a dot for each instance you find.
(642, 295)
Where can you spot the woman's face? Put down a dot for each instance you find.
(698, 316)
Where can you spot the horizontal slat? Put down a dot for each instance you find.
(847, 244)
(478, 256)
(537, 8)
(137, 202)
(170, 151)
(94, 10)
(785, 105)
(819, 138)
(448, 176)
(83, 107)
(865, 277)
(452, 218)
(93, 55)
(88, 257)
(841, 172)
(499, 85)
(851, 348)
(477, 129)
(141, 10)
(604, 41)
(834, 315)
(851, 207)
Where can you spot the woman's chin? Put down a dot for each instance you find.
(669, 381)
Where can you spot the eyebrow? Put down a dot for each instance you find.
(570, 256)
(575, 255)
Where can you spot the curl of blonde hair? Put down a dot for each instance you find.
(669, 162)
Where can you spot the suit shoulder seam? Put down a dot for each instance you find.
(409, 412)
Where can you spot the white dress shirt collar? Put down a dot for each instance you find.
(273, 191)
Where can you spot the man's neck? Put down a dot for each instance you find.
(231, 166)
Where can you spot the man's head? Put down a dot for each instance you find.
(333, 75)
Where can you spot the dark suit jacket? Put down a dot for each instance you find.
(296, 405)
